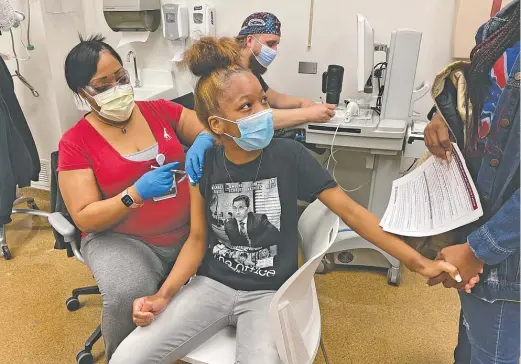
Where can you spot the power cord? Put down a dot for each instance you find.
(332, 156)
(327, 159)
(17, 59)
(378, 74)
(412, 165)
(30, 47)
(17, 73)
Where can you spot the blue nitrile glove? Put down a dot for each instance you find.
(195, 157)
(157, 182)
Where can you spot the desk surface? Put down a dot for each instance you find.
(385, 135)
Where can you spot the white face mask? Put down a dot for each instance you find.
(116, 104)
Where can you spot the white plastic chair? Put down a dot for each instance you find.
(294, 310)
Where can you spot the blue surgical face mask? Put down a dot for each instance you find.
(256, 130)
(266, 55)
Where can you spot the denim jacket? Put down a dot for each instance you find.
(496, 240)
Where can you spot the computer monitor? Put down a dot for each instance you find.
(402, 60)
(365, 51)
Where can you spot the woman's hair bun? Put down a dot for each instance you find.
(210, 54)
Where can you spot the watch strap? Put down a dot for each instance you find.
(126, 196)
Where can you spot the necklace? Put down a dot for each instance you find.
(258, 168)
(123, 128)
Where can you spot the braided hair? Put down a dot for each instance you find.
(483, 57)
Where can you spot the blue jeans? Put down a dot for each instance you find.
(492, 329)
(462, 351)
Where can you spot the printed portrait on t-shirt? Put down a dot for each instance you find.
(245, 219)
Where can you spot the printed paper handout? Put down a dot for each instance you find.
(433, 199)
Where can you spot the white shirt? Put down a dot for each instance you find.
(245, 222)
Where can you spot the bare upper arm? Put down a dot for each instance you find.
(337, 201)
(78, 189)
(272, 96)
(281, 101)
(198, 226)
(189, 126)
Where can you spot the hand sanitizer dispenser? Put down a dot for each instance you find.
(202, 21)
(175, 21)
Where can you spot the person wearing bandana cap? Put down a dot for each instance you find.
(259, 38)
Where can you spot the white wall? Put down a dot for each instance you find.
(334, 38)
(39, 112)
(52, 35)
(155, 53)
(61, 30)
(334, 42)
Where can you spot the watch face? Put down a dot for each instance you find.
(127, 200)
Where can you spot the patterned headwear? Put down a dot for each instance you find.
(261, 23)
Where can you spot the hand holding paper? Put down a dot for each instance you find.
(433, 199)
(437, 138)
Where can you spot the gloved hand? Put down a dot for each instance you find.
(157, 182)
(195, 157)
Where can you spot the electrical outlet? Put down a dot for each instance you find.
(309, 68)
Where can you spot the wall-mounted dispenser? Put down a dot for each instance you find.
(132, 15)
(175, 27)
(202, 21)
(175, 21)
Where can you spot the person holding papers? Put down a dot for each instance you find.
(489, 139)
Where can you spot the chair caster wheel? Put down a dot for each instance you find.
(84, 357)
(321, 267)
(327, 264)
(393, 276)
(33, 205)
(72, 304)
(6, 252)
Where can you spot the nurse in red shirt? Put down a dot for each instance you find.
(108, 182)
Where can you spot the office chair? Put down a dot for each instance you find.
(31, 210)
(186, 101)
(84, 356)
(68, 237)
(68, 231)
(294, 311)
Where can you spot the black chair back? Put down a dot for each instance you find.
(187, 101)
(58, 205)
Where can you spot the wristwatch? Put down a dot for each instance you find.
(432, 112)
(128, 200)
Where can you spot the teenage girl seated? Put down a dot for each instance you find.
(240, 265)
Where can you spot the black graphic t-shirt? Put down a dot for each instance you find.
(252, 224)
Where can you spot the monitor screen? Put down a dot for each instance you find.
(365, 42)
